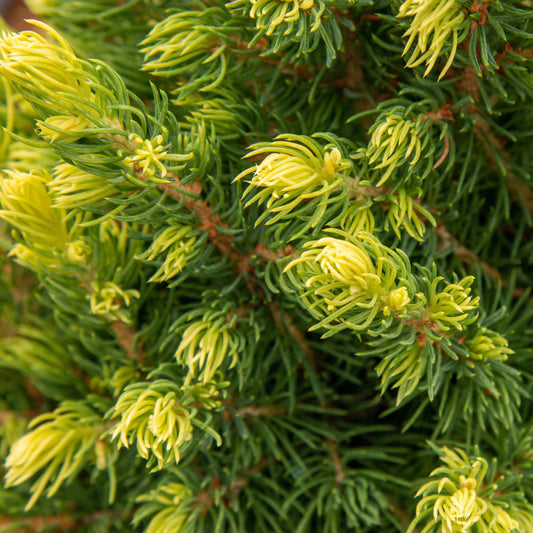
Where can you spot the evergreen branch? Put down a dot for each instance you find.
(520, 192)
(160, 417)
(209, 220)
(61, 444)
(174, 506)
(469, 257)
(218, 491)
(168, 313)
(284, 322)
(299, 27)
(429, 30)
(461, 497)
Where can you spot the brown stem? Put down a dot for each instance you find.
(63, 522)
(265, 410)
(402, 515)
(126, 339)
(420, 325)
(445, 153)
(206, 498)
(285, 323)
(273, 255)
(337, 463)
(210, 221)
(520, 192)
(469, 257)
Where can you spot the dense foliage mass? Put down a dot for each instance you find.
(267, 267)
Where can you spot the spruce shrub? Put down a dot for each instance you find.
(267, 267)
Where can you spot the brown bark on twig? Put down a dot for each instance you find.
(285, 323)
(469, 257)
(126, 339)
(63, 522)
(340, 473)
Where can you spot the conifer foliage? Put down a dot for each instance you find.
(267, 267)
